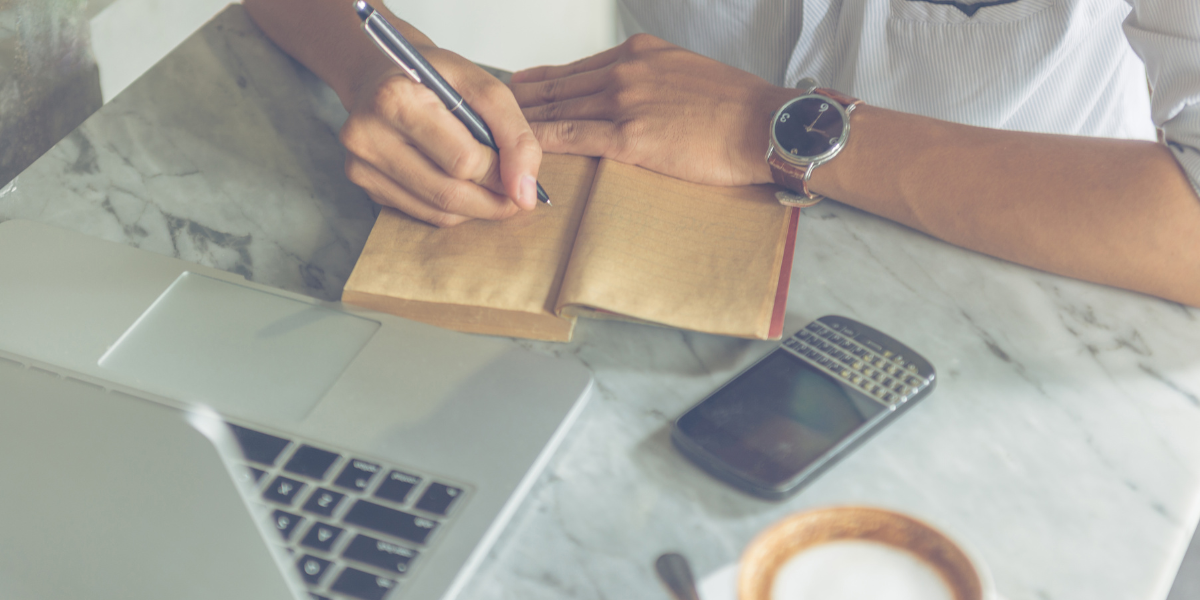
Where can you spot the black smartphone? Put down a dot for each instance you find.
(795, 412)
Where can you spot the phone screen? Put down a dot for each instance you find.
(775, 419)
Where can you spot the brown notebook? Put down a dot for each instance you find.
(619, 242)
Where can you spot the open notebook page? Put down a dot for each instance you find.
(466, 277)
(679, 254)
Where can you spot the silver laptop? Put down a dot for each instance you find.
(172, 431)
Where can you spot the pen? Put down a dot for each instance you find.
(393, 44)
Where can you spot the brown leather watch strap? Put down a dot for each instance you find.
(791, 177)
(787, 174)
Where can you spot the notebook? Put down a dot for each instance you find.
(620, 242)
(170, 430)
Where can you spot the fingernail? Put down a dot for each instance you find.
(529, 191)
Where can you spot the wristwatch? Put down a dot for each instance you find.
(806, 132)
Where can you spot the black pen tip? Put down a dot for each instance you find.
(542, 195)
(363, 9)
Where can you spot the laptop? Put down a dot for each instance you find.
(169, 430)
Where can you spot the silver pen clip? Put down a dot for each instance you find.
(412, 74)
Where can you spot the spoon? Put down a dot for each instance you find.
(675, 573)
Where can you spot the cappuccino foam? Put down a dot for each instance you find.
(856, 569)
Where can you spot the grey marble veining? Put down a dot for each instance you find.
(1061, 442)
(226, 154)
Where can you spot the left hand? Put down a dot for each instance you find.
(650, 103)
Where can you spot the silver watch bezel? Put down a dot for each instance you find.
(809, 161)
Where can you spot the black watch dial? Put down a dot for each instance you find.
(810, 127)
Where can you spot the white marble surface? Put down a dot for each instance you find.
(1061, 443)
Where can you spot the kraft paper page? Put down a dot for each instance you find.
(511, 265)
(679, 254)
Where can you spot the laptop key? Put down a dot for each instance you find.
(397, 486)
(357, 475)
(321, 537)
(312, 568)
(390, 521)
(380, 554)
(311, 462)
(257, 446)
(285, 523)
(283, 490)
(364, 586)
(438, 498)
(323, 502)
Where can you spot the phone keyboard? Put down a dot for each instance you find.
(864, 360)
(356, 527)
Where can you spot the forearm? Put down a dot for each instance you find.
(1119, 212)
(327, 37)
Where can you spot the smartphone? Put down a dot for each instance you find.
(791, 415)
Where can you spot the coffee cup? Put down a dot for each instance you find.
(855, 553)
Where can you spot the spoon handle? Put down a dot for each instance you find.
(675, 572)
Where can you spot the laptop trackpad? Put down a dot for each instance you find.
(237, 349)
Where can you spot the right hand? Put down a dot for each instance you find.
(408, 152)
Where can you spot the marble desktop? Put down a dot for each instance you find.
(1062, 442)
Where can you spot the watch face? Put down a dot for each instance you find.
(810, 127)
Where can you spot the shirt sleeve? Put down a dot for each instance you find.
(1166, 35)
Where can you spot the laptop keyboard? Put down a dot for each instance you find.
(356, 527)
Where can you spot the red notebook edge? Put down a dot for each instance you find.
(785, 277)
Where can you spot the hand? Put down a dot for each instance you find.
(407, 151)
(651, 103)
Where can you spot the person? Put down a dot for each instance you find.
(1017, 128)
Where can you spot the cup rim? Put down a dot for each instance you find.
(965, 577)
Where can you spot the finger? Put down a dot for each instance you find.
(596, 107)
(520, 155)
(417, 179)
(586, 138)
(591, 63)
(387, 143)
(562, 88)
(402, 113)
(464, 160)
(446, 191)
(404, 131)
(386, 192)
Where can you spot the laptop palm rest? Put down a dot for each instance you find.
(237, 349)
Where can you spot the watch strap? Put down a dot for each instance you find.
(792, 177)
(846, 101)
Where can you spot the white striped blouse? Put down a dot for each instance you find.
(1059, 66)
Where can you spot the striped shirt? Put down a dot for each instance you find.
(1058, 66)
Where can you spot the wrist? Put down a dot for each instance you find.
(364, 65)
(835, 177)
